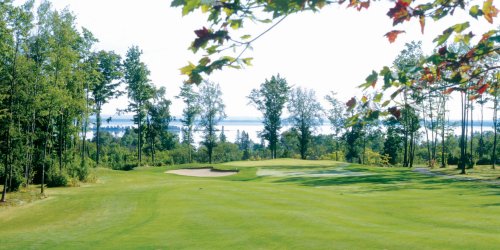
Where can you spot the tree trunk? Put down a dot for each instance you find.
(84, 128)
(495, 126)
(139, 126)
(337, 150)
(411, 149)
(429, 164)
(60, 148)
(461, 164)
(190, 132)
(481, 139)
(471, 159)
(98, 134)
(4, 191)
(443, 138)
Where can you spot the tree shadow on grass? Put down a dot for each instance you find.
(490, 205)
(391, 180)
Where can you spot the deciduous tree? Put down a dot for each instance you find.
(270, 99)
(211, 113)
(305, 115)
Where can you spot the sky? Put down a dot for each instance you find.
(333, 50)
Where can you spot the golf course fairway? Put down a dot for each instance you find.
(276, 204)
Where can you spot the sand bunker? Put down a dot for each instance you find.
(202, 172)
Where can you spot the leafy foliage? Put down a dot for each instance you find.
(223, 14)
(270, 99)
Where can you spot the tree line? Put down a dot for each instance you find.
(51, 80)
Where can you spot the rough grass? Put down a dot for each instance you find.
(391, 208)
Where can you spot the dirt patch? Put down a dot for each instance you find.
(202, 172)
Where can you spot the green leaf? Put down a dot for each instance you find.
(236, 24)
(364, 99)
(494, 39)
(386, 103)
(475, 11)
(396, 93)
(425, 7)
(212, 49)
(371, 80)
(374, 115)
(248, 61)
(186, 70)
(378, 97)
(190, 5)
(388, 78)
(444, 37)
(246, 37)
(204, 61)
(460, 27)
(177, 3)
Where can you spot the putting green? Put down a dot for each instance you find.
(387, 208)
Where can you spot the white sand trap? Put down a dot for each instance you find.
(202, 172)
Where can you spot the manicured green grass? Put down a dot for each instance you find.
(387, 208)
(484, 172)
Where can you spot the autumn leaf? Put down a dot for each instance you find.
(489, 11)
(395, 112)
(473, 97)
(482, 89)
(443, 50)
(201, 33)
(372, 79)
(448, 91)
(352, 3)
(364, 99)
(399, 13)
(363, 5)
(422, 23)
(392, 35)
(351, 103)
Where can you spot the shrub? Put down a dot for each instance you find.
(484, 161)
(333, 156)
(16, 182)
(374, 158)
(57, 180)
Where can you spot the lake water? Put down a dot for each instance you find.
(231, 126)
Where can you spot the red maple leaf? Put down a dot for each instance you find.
(448, 91)
(482, 89)
(363, 5)
(201, 33)
(351, 103)
(443, 50)
(395, 112)
(392, 35)
(399, 13)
